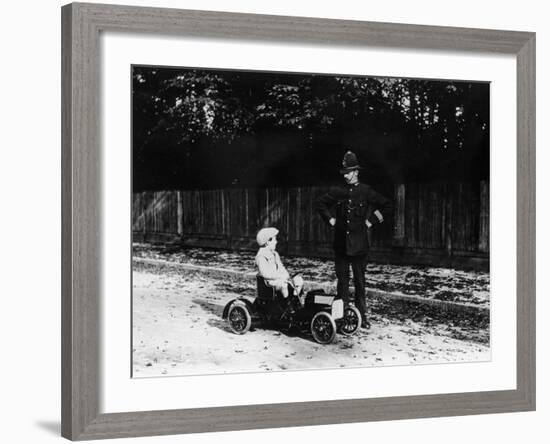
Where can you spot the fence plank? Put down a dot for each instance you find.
(411, 215)
(449, 205)
(484, 219)
(448, 219)
(399, 215)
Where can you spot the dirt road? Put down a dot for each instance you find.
(178, 330)
(443, 284)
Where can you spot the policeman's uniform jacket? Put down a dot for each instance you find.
(352, 206)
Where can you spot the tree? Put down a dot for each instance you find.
(423, 130)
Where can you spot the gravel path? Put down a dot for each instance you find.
(443, 284)
(178, 330)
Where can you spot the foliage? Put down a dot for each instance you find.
(415, 124)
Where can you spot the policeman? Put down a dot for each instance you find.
(352, 210)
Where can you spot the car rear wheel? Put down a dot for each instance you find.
(351, 321)
(323, 328)
(239, 318)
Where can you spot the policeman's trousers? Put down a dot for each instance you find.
(358, 267)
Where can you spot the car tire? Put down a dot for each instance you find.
(323, 328)
(351, 322)
(238, 318)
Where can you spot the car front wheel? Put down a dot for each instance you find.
(351, 321)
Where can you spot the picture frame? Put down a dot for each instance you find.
(81, 244)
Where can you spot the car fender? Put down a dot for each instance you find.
(232, 301)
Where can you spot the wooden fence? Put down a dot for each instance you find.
(437, 224)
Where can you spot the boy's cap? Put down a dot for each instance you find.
(265, 234)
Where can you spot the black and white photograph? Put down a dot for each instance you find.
(289, 221)
(275, 222)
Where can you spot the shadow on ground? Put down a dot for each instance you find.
(217, 311)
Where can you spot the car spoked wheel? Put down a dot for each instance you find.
(351, 321)
(239, 318)
(323, 328)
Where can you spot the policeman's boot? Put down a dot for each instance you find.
(365, 323)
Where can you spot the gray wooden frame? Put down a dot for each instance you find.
(81, 167)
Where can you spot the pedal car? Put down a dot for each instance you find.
(320, 313)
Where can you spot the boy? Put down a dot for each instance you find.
(270, 267)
